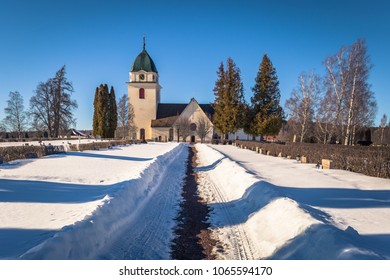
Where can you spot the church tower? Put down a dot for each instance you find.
(144, 93)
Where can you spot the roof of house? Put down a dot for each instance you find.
(165, 110)
(164, 122)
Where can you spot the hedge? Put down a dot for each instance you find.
(371, 161)
(21, 152)
(29, 151)
(98, 145)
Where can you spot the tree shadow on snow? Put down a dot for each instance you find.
(238, 211)
(338, 198)
(209, 167)
(262, 193)
(15, 242)
(104, 156)
(326, 242)
(49, 192)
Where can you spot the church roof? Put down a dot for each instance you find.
(143, 62)
(165, 110)
(164, 122)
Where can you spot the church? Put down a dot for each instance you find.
(158, 121)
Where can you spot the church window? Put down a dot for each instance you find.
(193, 127)
(141, 93)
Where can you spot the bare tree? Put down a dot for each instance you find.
(322, 128)
(353, 103)
(123, 115)
(203, 127)
(2, 127)
(336, 80)
(303, 103)
(183, 127)
(52, 106)
(16, 117)
(360, 98)
(131, 125)
(383, 124)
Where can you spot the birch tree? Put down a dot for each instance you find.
(16, 117)
(303, 103)
(353, 103)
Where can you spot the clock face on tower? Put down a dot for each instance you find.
(141, 77)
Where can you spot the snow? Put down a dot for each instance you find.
(121, 203)
(75, 206)
(276, 208)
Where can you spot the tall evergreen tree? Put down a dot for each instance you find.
(112, 114)
(97, 117)
(105, 117)
(104, 99)
(229, 99)
(265, 115)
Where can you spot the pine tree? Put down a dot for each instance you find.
(229, 99)
(265, 114)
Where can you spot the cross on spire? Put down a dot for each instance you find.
(144, 42)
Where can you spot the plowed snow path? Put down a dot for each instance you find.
(146, 236)
(134, 218)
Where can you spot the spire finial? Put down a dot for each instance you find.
(144, 41)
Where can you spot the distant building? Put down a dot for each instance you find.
(160, 121)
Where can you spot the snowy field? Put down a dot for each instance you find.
(81, 204)
(122, 204)
(279, 209)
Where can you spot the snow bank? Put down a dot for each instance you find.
(252, 215)
(87, 239)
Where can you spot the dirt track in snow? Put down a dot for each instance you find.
(193, 236)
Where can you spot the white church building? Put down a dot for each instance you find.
(158, 121)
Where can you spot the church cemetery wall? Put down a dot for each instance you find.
(371, 161)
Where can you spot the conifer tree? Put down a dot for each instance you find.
(104, 109)
(96, 125)
(265, 115)
(101, 112)
(229, 99)
(112, 114)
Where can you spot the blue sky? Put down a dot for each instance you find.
(98, 41)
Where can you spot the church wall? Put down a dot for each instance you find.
(144, 109)
(160, 134)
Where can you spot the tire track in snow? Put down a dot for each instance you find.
(146, 236)
(240, 246)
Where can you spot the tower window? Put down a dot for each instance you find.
(141, 93)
